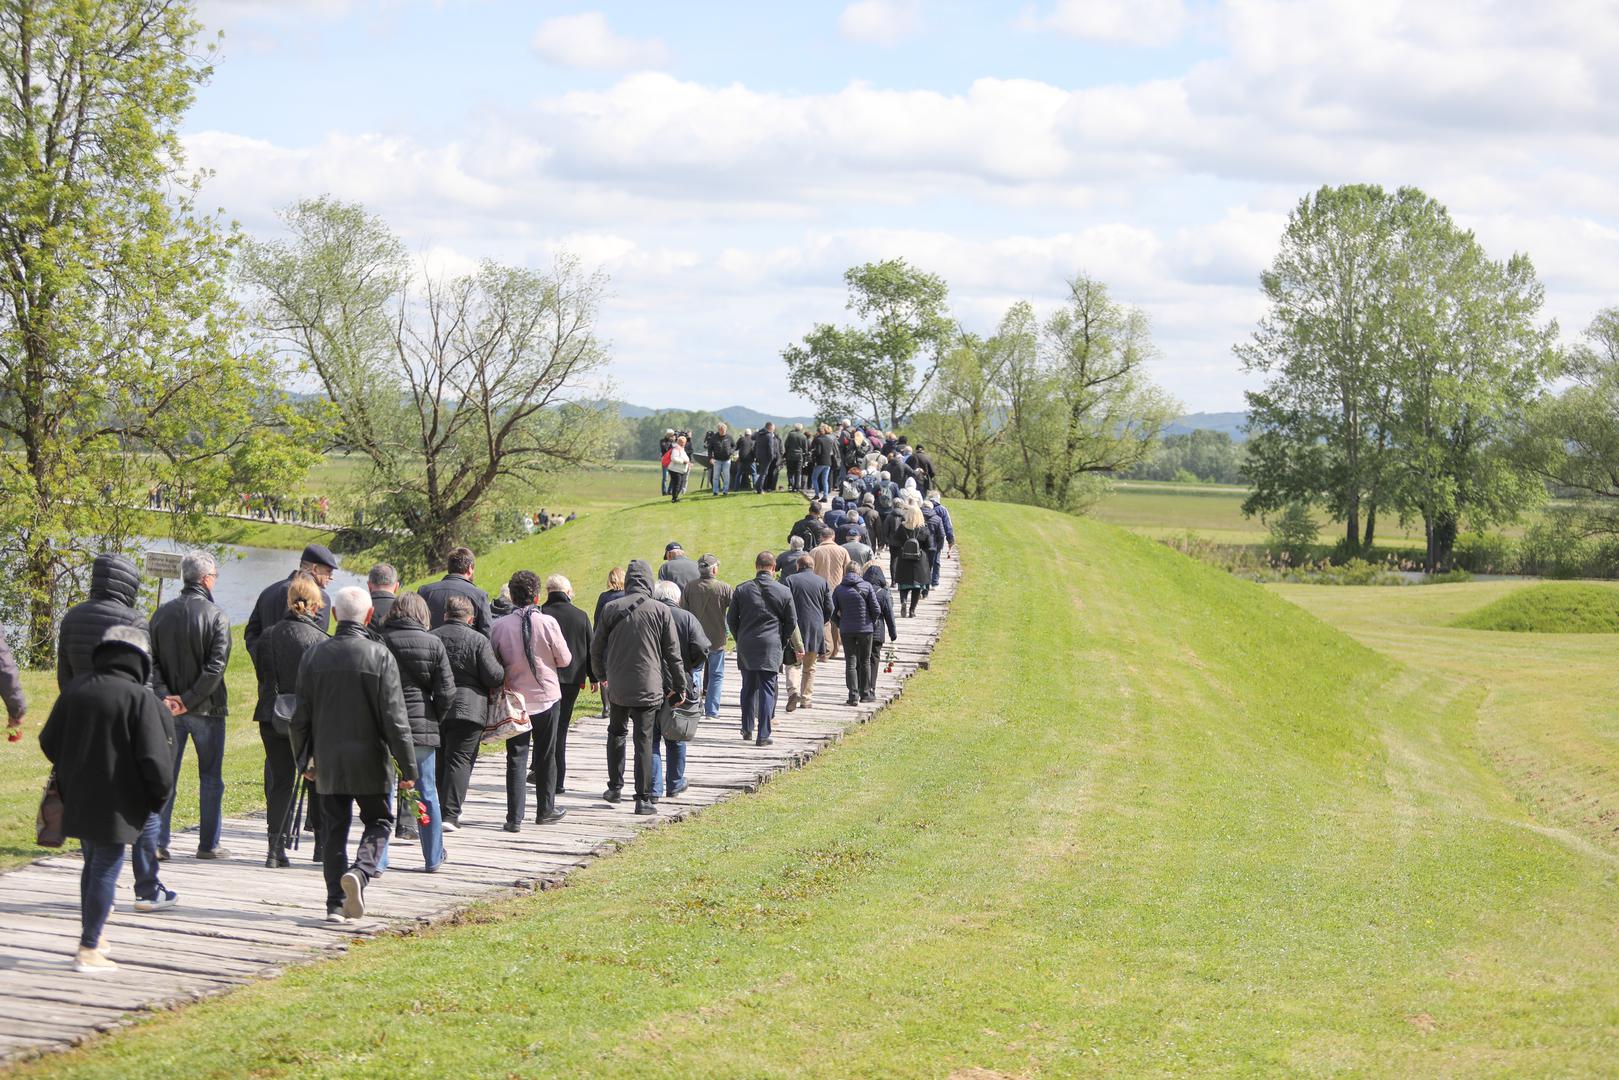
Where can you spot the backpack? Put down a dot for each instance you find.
(911, 550)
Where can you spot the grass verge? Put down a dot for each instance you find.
(1574, 608)
(1140, 818)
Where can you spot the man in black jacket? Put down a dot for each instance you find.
(191, 646)
(767, 456)
(351, 719)
(318, 562)
(457, 581)
(743, 477)
(110, 743)
(478, 673)
(823, 459)
(575, 625)
(765, 625)
(796, 450)
(812, 603)
(721, 450)
(115, 584)
(636, 658)
(808, 528)
(383, 581)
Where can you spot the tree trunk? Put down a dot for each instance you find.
(1352, 525)
(41, 605)
(1371, 526)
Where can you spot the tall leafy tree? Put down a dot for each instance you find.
(1571, 439)
(120, 360)
(879, 369)
(964, 423)
(454, 390)
(1084, 405)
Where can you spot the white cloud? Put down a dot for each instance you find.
(1119, 22)
(880, 22)
(586, 41)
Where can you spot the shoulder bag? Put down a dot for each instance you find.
(281, 710)
(679, 722)
(48, 823)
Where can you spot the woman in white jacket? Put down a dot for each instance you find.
(678, 463)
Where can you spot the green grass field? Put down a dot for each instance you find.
(1139, 818)
(1553, 608)
(1215, 512)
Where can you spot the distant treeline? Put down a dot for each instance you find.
(1203, 456)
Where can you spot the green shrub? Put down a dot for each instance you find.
(1293, 534)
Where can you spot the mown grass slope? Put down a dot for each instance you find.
(736, 528)
(1140, 818)
(1552, 608)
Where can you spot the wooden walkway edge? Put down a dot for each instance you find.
(237, 921)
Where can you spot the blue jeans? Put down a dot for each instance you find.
(934, 580)
(208, 732)
(758, 702)
(144, 857)
(821, 481)
(427, 787)
(663, 487)
(713, 681)
(98, 886)
(676, 753)
(722, 477)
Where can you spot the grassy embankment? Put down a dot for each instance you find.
(1139, 818)
(584, 550)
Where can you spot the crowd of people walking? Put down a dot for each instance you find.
(376, 703)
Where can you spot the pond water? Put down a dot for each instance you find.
(243, 574)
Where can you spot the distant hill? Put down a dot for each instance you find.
(1232, 423)
(734, 415)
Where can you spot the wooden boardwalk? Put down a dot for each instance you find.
(237, 921)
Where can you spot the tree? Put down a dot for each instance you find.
(118, 360)
(454, 390)
(1571, 438)
(1319, 426)
(965, 418)
(871, 370)
(1083, 405)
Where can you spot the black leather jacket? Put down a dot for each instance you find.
(351, 711)
(191, 646)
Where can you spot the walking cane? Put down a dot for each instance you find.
(293, 823)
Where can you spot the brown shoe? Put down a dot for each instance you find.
(792, 702)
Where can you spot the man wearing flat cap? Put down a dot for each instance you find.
(318, 562)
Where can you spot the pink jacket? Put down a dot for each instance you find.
(550, 653)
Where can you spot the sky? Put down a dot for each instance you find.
(725, 163)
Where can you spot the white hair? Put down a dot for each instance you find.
(197, 565)
(350, 604)
(558, 583)
(666, 590)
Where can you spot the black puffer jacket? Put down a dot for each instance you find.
(115, 582)
(476, 669)
(351, 714)
(276, 660)
(424, 676)
(191, 646)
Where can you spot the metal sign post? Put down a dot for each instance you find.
(163, 564)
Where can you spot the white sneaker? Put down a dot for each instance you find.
(93, 962)
(448, 826)
(335, 916)
(164, 899)
(353, 894)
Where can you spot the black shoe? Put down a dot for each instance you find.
(747, 736)
(645, 808)
(613, 794)
(652, 798)
(530, 778)
(512, 826)
(764, 742)
(869, 697)
(318, 852)
(553, 816)
(561, 791)
(162, 854)
(852, 700)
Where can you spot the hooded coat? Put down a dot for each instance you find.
(855, 609)
(635, 650)
(425, 678)
(112, 745)
(115, 583)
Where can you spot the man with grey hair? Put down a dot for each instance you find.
(383, 581)
(350, 720)
(709, 599)
(191, 646)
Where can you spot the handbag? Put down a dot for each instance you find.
(508, 716)
(48, 823)
(281, 710)
(679, 723)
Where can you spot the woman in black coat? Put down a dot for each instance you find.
(429, 688)
(478, 673)
(112, 746)
(575, 626)
(908, 549)
(276, 660)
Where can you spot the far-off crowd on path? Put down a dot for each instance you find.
(384, 716)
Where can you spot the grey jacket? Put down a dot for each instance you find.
(351, 714)
(812, 600)
(709, 599)
(635, 650)
(763, 620)
(10, 681)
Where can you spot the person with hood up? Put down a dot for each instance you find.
(693, 642)
(855, 611)
(478, 673)
(530, 645)
(764, 623)
(635, 654)
(350, 723)
(111, 745)
(276, 661)
(883, 631)
(428, 685)
(115, 584)
(191, 648)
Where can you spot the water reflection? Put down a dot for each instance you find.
(243, 574)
